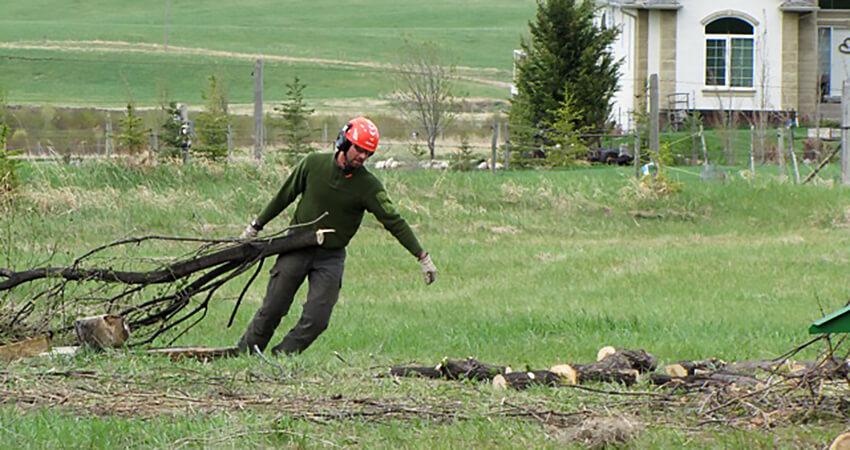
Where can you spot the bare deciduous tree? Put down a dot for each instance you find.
(424, 90)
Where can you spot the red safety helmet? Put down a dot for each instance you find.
(361, 132)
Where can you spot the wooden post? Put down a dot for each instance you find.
(653, 117)
(694, 137)
(793, 156)
(229, 141)
(752, 149)
(184, 125)
(636, 144)
(108, 144)
(494, 146)
(153, 150)
(704, 147)
(845, 136)
(780, 152)
(258, 109)
(507, 146)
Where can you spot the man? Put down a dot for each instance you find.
(339, 185)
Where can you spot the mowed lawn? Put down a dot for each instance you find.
(535, 268)
(42, 60)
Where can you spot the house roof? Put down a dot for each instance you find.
(647, 4)
(787, 5)
(799, 5)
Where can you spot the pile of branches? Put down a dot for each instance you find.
(171, 297)
(747, 394)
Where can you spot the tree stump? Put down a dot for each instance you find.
(104, 331)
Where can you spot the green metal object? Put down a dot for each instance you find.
(837, 322)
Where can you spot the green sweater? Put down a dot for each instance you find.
(344, 195)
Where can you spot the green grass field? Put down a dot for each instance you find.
(535, 268)
(48, 52)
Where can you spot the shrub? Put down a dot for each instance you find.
(8, 168)
(462, 158)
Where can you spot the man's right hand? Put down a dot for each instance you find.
(428, 268)
(250, 232)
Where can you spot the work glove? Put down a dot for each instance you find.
(250, 231)
(429, 270)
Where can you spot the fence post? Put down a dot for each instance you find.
(154, 149)
(507, 147)
(636, 144)
(752, 149)
(653, 117)
(845, 135)
(493, 146)
(229, 141)
(186, 129)
(258, 109)
(780, 152)
(793, 156)
(108, 144)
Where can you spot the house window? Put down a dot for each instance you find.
(729, 53)
(834, 4)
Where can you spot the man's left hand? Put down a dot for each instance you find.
(429, 270)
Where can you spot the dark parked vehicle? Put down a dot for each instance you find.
(610, 156)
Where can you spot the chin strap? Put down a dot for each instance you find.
(346, 167)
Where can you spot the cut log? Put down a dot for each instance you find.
(752, 366)
(104, 331)
(524, 380)
(416, 371)
(470, 368)
(566, 372)
(200, 353)
(626, 359)
(832, 368)
(500, 383)
(604, 352)
(685, 368)
(24, 349)
(697, 381)
(676, 370)
(622, 366)
(588, 373)
(453, 369)
(841, 442)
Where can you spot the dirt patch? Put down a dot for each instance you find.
(134, 47)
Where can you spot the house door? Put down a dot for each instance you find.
(824, 53)
(839, 60)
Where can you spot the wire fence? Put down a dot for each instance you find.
(85, 133)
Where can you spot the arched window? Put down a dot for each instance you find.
(729, 52)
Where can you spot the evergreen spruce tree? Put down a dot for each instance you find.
(566, 52)
(294, 115)
(171, 140)
(133, 137)
(213, 121)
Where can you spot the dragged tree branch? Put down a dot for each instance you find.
(241, 252)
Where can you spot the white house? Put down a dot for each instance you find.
(780, 56)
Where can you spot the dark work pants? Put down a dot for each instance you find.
(323, 268)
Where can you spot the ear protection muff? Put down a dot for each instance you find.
(342, 143)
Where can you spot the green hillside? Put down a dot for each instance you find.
(102, 52)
